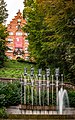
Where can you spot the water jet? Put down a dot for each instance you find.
(37, 92)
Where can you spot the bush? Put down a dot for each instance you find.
(20, 59)
(3, 113)
(71, 95)
(9, 94)
(25, 61)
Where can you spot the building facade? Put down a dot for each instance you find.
(16, 41)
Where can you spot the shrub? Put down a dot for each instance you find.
(20, 59)
(9, 94)
(71, 95)
(25, 61)
(3, 113)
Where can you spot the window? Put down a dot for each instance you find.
(19, 20)
(10, 33)
(18, 33)
(19, 27)
(26, 50)
(25, 34)
(10, 49)
(10, 40)
(26, 41)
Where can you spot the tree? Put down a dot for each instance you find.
(65, 30)
(3, 32)
(34, 25)
(3, 11)
(3, 48)
(50, 27)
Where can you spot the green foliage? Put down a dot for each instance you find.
(71, 95)
(14, 69)
(3, 113)
(20, 60)
(9, 94)
(3, 32)
(3, 48)
(3, 11)
(25, 61)
(51, 32)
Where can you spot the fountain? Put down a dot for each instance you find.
(36, 90)
(63, 100)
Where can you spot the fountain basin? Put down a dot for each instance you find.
(37, 107)
(42, 117)
(18, 110)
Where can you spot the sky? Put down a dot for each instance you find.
(13, 6)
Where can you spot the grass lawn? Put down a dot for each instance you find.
(14, 69)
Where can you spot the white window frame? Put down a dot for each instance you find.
(10, 40)
(19, 33)
(26, 42)
(10, 33)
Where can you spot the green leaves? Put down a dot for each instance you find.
(3, 11)
(3, 32)
(9, 94)
(3, 48)
(51, 33)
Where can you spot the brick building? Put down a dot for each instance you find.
(16, 40)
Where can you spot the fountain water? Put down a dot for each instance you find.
(63, 100)
(37, 90)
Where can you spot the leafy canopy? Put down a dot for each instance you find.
(3, 11)
(3, 32)
(51, 32)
